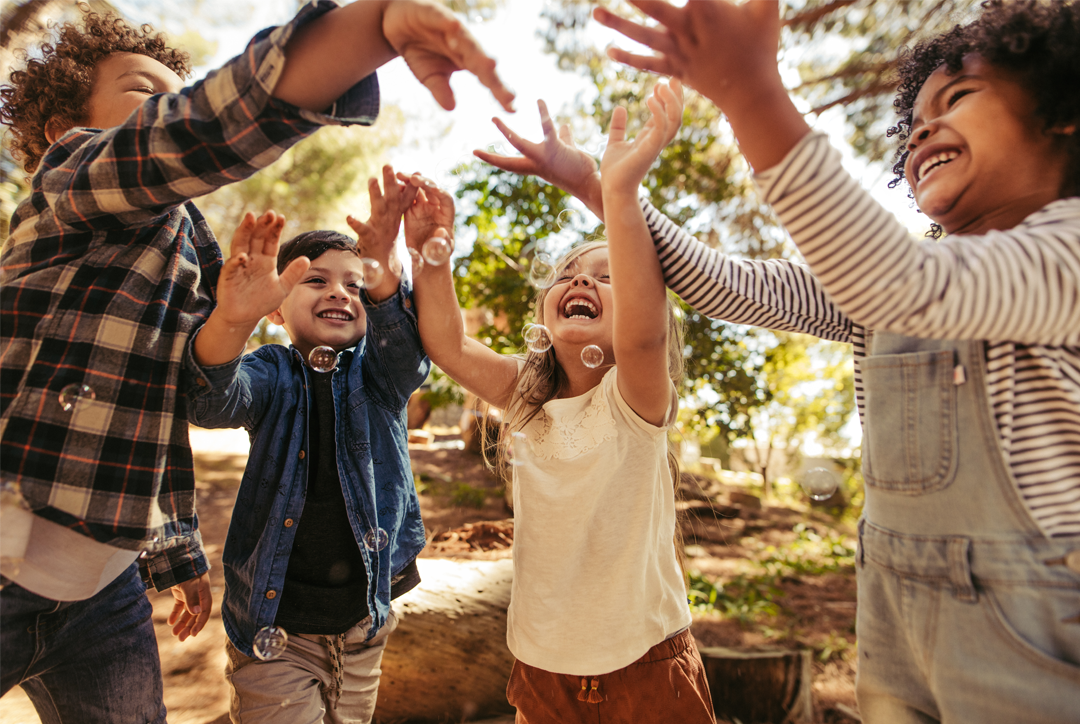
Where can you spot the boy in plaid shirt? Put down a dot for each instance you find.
(108, 268)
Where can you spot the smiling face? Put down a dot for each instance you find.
(577, 308)
(122, 81)
(980, 158)
(324, 308)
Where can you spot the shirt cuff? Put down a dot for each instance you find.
(175, 565)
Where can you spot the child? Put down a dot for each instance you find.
(598, 617)
(966, 351)
(327, 524)
(108, 269)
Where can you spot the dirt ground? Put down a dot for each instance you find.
(466, 516)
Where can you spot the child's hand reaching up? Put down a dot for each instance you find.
(626, 161)
(377, 236)
(248, 289)
(555, 159)
(431, 215)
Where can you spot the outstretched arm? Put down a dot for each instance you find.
(249, 288)
(332, 53)
(555, 159)
(727, 52)
(377, 236)
(479, 369)
(640, 334)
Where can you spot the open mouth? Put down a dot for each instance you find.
(934, 162)
(579, 308)
(338, 315)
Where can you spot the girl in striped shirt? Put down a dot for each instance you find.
(967, 349)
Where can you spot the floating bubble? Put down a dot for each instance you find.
(437, 250)
(373, 272)
(417, 261)
(537, 338)
(515, 448)
(73, 393)
(820, 483)
(592, 356)
(394, 265)
(270, 643)
(323, 359)
(376, 539)
(541, 271)
(570, 220)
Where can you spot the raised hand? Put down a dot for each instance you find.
(432, 213)
(435, 44)
(626, 161)
(249, 286)
(377, 235)
(555, 159)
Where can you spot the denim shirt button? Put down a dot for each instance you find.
(408, 304)
(271, 595)
(288, 522)
(301, 455)
(1072, 561)
(200, 382)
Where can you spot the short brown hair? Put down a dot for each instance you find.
(57, 85)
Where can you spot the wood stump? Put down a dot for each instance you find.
(448, 661)
(759, 686)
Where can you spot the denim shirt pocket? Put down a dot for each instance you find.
(910, 438)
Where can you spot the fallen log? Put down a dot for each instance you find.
(448, 660)
(759, 686)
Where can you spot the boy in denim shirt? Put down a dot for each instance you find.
(326, 526)
(108, 269)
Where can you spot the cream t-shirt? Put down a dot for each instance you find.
(596, 579)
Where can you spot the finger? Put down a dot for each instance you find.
(374, 191)
(241, 239)
(178, 609)
(617, 129)
(659, 64)
(273, 237)
(661, 11)
(523, 146)
(545, 119)
(566, 136)
(182, 627)
(477, 62)
(267, 229)
(513, 164)
(389, 179)
(657, 38)
(293, 272)
(203, 612)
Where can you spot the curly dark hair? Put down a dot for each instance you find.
(57, 85)
(1038, 40)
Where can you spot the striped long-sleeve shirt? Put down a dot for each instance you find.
(1018, 290)
(108, 269)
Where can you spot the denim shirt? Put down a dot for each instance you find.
(267, 393)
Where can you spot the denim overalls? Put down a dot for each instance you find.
(967, 612)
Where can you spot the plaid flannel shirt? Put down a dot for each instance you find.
(108, 269)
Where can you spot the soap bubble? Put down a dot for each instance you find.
(437, 250)
(541, 271)
(571, 220)
(376, 539)
(592, 356)
(394, 265)
(323, 359)
(270, 643)
(537, 338)
(820, 483)
(515, 448)
(373, 272)
(74, 392)
(417, 261)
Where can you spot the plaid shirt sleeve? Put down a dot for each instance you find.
(108, 269)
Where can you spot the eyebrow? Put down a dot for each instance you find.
(155, 80)
(915, 120)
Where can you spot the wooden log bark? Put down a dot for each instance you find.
(759, 686)
(448, 660)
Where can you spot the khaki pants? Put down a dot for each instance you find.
(298, 686)
(667, 684)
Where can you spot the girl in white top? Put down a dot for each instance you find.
(598, 615)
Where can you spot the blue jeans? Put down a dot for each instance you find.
(83, 662)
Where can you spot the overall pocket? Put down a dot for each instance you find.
(910, 432)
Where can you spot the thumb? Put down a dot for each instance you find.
(293, 272)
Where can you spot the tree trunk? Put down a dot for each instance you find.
(759, 686)
(448, 661)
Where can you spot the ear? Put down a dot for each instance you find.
(1064, 129)
(275, 318)
(56, 127)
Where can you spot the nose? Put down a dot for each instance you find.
(335, 291)
(583, 280)
(918, 137)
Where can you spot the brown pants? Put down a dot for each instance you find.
(667, 684)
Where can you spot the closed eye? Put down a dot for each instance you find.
(957, 95)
